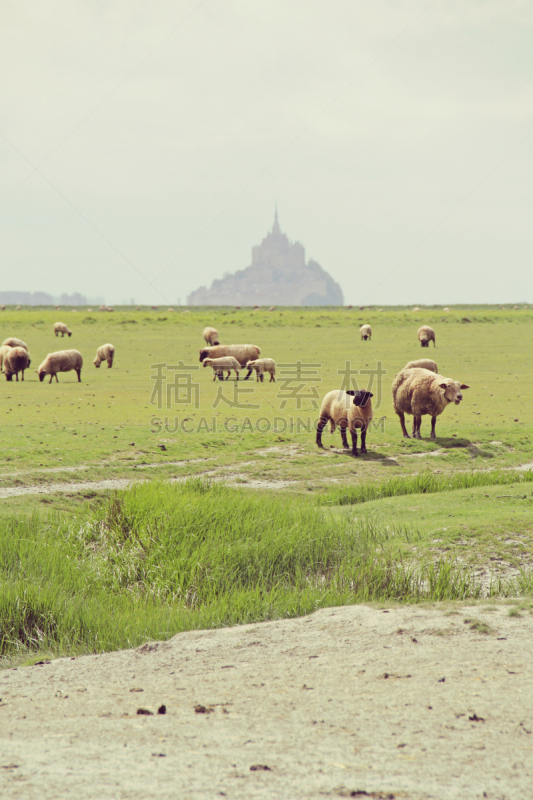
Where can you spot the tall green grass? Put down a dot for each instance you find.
(162, 558)
(424, 483)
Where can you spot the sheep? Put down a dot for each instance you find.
(422, 363)
(222, 365)
(12, 342)
(16, 360)
(242, 352)
(5, 348)
(61, 328)
(366, 332)
(211, 336)
(447, 310)
(105, 353)
(419, 392)
(426, 335)
(60, 361)
(339, 408)
(262, 365)
(416, 308)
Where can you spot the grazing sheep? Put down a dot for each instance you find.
(446, 309)
(5, 348)
(222, 365)
(61, 328)
(426, 335)
(16, 360)
(422, 363)
(419, 392)
(242, 352)
(366, 332)
(105, 353)
(340, 409)
(60, 361)
(15, 343)
(211, 336)
(262, 365)
(416, 308)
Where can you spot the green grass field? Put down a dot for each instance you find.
(106, 428)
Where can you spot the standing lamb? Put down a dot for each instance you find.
(422, 363)
(366, 332)
(61, 328)
(211, 336)
(419, 392)
(222, 365)
(15, 343)
(105, 353)
(61, 361)
(339, 408)
(242, 352)
(426, 335)
(16, 360)
(262, 365)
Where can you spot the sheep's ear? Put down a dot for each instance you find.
(351, 392)
(464, 386)
(370, 394)
(443, 385)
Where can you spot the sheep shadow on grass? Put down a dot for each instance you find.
(449, 443)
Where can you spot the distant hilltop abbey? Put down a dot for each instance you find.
(278, 275)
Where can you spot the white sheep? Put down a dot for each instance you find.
(16, 360)
(426, 335)
(262, 365)
(211, 336)
(423, 363)
(242, 352)
(5, 348)
(419, 392)
(349, 409)
(366, 332)
(61, 361)
(61, 328)
(12, 342)
(105, 353)
(222, 365)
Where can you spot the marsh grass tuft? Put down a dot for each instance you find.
(424, 483)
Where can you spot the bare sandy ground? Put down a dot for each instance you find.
(356, 701)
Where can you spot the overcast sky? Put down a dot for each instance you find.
(143, 146)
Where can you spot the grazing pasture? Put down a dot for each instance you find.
(402, 511)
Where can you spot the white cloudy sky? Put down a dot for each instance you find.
(143, 146)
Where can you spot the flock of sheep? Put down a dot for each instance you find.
(418, 389)
(15, 358)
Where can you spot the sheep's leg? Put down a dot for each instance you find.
(250, 370)
(214, 375)
(433, 423)
(17, 376)
(418, 423)
(51, 376)
(22, 375)
(354, 442)
(227, 376)
(344, 439)
(319, 428)
(363, 439)
(236, 374)
(272, 378)
(220, 375)
(262, 377)
(78, 372)
(402, 423)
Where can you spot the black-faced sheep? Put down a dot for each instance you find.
(61, 328)
(242, 352)
(222, 365)
(419, 392)
(105, 353)
(262, 365)
(60, 361)
(16, 360)
(366, 332)
(351, 410)
(422, 363)
(211, 336)
(426, 335)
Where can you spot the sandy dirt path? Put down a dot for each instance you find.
(348, 702)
